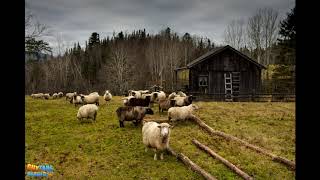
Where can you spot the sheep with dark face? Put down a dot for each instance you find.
(183, 101)
(156, 96)
(139, 102)
(156, 136)
(77, 100)
(132, 113)
(46, 96)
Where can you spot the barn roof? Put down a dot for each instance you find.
(217, 51)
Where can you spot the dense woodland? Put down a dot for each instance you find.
(137, 60)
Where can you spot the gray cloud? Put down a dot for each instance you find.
(77, 19)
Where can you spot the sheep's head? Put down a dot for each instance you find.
(148, 111)
(164, 130)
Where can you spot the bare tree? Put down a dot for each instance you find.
(120, 67)
(255, 34)
(270, 29)
(234, 34)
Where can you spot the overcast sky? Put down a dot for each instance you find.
(75, 20)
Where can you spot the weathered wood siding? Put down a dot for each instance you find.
(216, 66)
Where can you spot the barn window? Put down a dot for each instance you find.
(203, 80)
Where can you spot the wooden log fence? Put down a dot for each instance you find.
(275, 158)
(191, 164)
(224, 161)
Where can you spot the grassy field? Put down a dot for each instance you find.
(102, 150)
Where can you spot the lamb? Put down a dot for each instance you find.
(107, 96)
(132, 113)
(92, 98)
(165, 104)
(181, 113)
(88, 111)
(181, 94)
(76, 100)
(156, 96)
(156, 136)
(183, 101)
(139, 102)
(70, 95)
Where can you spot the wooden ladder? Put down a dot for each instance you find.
(228, 86)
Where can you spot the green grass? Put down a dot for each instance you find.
(102, 150)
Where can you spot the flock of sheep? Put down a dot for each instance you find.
(135, 106)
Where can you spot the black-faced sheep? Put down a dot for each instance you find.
(156, 136)
(139, 102)
(183, 101)
(156, 96)
(46, 96)
(88, 111)
(107, 96)
(132, 113)
(77, 100)
(181, 113)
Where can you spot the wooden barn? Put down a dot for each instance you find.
(223, 73)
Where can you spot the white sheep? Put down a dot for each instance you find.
(37, 95)
(88, 111)
(156, 96)
(183, 101)
(77, 100)
(181, 113)
(156, 136)
(172, 95)
(60, 94)
(70, 95)
(181, 94)
(107, 96)
(92, 98)
(46, 96)
(55, 95)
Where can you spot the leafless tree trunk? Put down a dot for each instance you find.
(234, 34)
(270, 27)
(255, 34)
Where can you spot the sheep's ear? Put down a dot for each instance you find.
(171, 126)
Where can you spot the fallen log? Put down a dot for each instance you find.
(191, 164)
(275, 158)
(224, 161)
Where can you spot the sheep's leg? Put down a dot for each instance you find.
(146, 149)
(94, 116)
(161, 156)
(155, 154)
